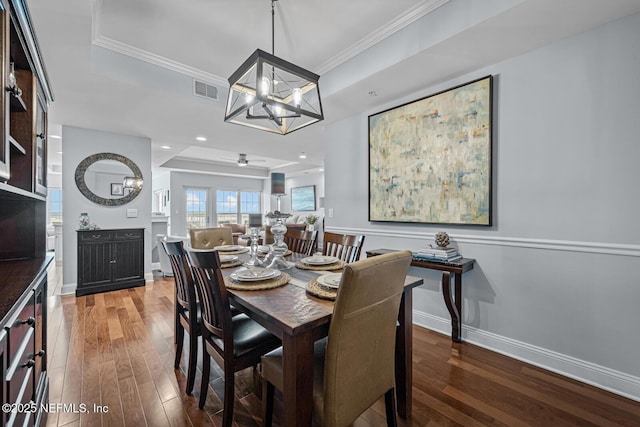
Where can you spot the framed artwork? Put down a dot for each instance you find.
(117, 189)
(303, 198)
(430, 159)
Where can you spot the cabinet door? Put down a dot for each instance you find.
(4, 72)
(40, 156)
(128, 256)
(94, 264)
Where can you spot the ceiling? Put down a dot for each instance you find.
(128, 66)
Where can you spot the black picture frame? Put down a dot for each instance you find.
(117, 189)
(430, 160)
(303, 199)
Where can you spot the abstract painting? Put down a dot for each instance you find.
(430, 159)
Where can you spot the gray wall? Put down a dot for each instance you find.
(77, 144)
(556, 278)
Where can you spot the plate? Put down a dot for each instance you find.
(228, 248)
(228, 258)
(255, 273)
(331, 280)
(319, 260)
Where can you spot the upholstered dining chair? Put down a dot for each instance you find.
(209, 238)
(303, 242)
(344, 246)
(235, 343)
(187, 310)
(354, 366)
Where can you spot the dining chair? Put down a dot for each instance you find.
(344, 246)
(209, 238)
(187, 310)
(354, 366)
(234, 342)
(300, 241)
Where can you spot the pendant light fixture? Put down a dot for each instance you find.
(269, 93)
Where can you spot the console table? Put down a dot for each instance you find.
(448, 268)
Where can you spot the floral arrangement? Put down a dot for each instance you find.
(311, 219)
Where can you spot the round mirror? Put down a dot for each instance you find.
(109, 179)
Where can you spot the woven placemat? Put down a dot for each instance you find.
(239, 251)
(231, 264)
(330, 267)
(259, 285)
(317, 290)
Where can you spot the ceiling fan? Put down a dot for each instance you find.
(243, 161)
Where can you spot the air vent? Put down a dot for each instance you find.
(205, 90)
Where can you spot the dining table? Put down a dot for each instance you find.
(299, 318)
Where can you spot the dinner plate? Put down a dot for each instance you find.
(331, 280)
(319, 260)
(255, 273)
(228, 258)
(229, 248)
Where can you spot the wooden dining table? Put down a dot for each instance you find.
(299, 319)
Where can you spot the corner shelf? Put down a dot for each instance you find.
(16, 103)
(17, 146)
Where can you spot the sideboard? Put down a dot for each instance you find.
(109, 260)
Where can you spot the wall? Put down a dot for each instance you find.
(77, 144)
(182, 180)
(555, 281)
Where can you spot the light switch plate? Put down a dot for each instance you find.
(132, 213)
(330, 212)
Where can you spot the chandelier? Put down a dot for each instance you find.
(269, 93)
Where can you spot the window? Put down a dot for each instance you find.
(196, 208)
(235, 206)
(55, 205)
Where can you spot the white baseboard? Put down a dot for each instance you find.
(599, 376)
(68, 288)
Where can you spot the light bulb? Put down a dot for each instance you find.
(297, 96)
(277, 110)
(248, 98)
(265, 84)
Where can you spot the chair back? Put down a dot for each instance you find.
(359, 362)
(343, 246)
(209, 238)
(185, 288)
(214, 300)
(300, 241)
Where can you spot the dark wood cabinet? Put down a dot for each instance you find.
(24, 97)
(110, 260)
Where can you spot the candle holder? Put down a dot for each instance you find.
(254, 261)
(275, 257)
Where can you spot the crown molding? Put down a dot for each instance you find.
(410, 16)
(382, 33)
(160, 61)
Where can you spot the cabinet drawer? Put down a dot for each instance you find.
(95, 236)
(23, 324)
(128, 235)
(19, 374)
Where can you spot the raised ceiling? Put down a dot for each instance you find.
(128, 66)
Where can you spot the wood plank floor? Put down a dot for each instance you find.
(116, 350)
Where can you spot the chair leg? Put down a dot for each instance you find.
(193, 359)
(229, 392)
(390, 406)
(179, 344)
(204, 383)
(267, 403)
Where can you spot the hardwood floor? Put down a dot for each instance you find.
(115, 350)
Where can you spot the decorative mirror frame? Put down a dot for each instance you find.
(86, 192)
